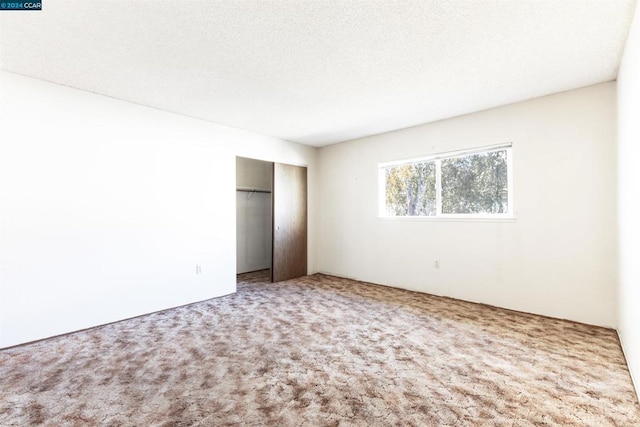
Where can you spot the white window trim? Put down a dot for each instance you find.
(508, 216)
(438, 188)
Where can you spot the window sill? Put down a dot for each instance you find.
(449, 218)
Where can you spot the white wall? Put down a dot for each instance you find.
(253, 174)
(253, 215)
(558, 258)
(106, 207)
(629, 199)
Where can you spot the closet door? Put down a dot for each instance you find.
(289, 205)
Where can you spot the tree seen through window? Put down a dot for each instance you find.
(476, 183)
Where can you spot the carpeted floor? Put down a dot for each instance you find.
(322, 351)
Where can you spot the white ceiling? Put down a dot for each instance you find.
(319, 72)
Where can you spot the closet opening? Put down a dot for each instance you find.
(254, 238)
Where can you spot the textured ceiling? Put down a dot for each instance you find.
(319, 72)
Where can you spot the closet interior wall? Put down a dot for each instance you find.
(253, 214)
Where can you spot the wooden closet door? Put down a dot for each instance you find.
(289, 206)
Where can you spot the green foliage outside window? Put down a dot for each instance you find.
(470, 184)
(475, 184)
(411, 189)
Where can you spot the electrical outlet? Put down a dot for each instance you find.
(198, 269)
(436, 264)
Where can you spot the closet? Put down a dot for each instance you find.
(253, 214)
(271, 218)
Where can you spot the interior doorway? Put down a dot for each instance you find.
(271, 219)
(253, 215)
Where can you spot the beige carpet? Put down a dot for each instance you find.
(322, 351)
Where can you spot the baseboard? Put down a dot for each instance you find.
(64, 334)
(635, 383)
(342, 276)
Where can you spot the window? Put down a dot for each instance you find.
(471, 183)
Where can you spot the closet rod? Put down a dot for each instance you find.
(247, 190)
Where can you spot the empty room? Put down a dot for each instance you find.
(320, 212)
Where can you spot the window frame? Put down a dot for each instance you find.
(437, 159)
